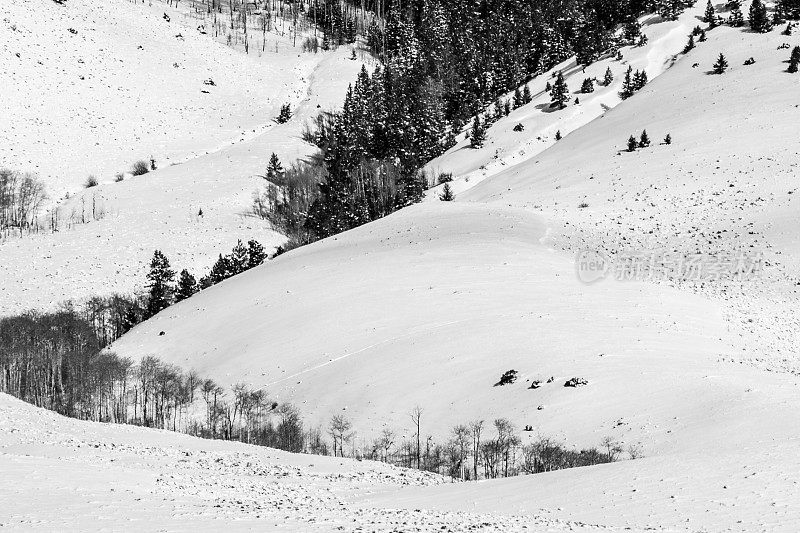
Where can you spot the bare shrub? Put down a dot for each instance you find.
(140, 168)
(91, 181)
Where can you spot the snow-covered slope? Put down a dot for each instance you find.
(133, 103)
(431, 305)
(63, 475)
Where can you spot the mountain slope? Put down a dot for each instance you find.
(133, 103)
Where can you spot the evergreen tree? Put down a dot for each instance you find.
(794, 60)
(759, 20)
(527, 98)
(285, 114)
(639, 80)
(559, 94)
(710, 16)
(558, 135)
(702, 37)
(255, 253)
(644, 141)
(608, 78)
(789, 9)
(274, 167)
(627, 85)
(447, 194)
(689, 45)
(477, 134)
(721, 65)
(507, 107)
(160, 280)
(668, 139)
(239, 259)
(517, 98)
(736, 18)
(587, 86)
(548, 87)
(632, 144)
(187, 286)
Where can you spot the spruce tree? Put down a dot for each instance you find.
(517, 98)
(559, 94)
(794, 60)
(644, 141)
(160, 280)
(187, 286)
(239, 259)
(274, 167)
(736, 19)
(507, 108)
(285, 114)
(526, 95)
(689, 45)
(447, 194)
(721, 65)
(587, 86)
(477, 134)
(255, 253)
(639, 80)
(627, 85)
(558, 135)
(710, 16)
(632, 143)
(608, 78)
(668, 139)
(759, 20)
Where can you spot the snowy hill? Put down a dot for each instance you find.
(431, 305)
(125, 88)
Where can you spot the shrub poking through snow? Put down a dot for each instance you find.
(91, 181)
(535, 384)
(519, 127)
(749, 61)
(583, 205)
(445, 177)
(140, 168)
(668, 139)
(558, 135)
(508, 377)
(576, 382)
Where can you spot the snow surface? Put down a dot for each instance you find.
(131, 104)
(431, 305)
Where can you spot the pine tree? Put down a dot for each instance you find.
(285, 114)
(187, 286)
(507, 107)
(632, 144)
(447, 194)
(689, 45)
(794, 60)
(639, 80)
(587, 86)
(160, 280)
(789, 9)
(710, 16)
(477, 134)
(548, 87)
(668, 139)
(558, 135)
(608, 78)
(644, 141)
(627, 85)
(527, 98)
(239, 259)
(736, 19)
(517, 98)
(255, 253)
(274, 167)
(559, 93)
(759, 20)
(721, 65)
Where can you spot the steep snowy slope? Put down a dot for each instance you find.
(134, 103)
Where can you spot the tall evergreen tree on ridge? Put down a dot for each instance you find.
(160, 280)
(187, 286)
(759, 19)
(477, 134)
(710, 16)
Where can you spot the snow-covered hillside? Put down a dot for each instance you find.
(125, 88)
(78, 476)
(431, 305)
